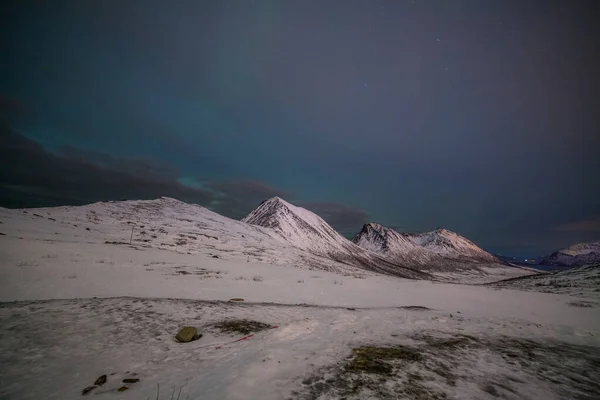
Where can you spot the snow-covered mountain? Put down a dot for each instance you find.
(297, 226)
(277, 233)
(440, 251)
(305, 230)
(575, 255)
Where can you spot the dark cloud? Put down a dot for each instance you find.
(346, 220)
(10, 106)
(138, 167)
(588, 225)
(236, 198)
(30, 176)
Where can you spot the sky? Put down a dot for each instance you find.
(477, 116)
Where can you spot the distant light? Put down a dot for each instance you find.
(525, 259)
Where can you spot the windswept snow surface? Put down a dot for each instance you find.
(56, 338)
(441, 252)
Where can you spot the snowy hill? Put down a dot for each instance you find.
(305, 230)
(575, 255)
(439, 251)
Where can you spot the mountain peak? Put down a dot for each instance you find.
(275, 199)
(372, 226)
(438, 246)
(296, 225)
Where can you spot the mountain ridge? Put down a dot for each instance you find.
(440, 249)
(276, 232)
(574, 256)
(304, 229)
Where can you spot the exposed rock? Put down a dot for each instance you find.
(236, 299)
(122, 388)
(130, 380)
(187, 334)
(243, 326)
(87, 390)
(100, 381)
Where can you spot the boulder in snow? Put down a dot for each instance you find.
(87, 390)
(100, 381)
(187, 334)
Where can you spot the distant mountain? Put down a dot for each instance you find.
(438, 251)
(305, 230)
(575, 255)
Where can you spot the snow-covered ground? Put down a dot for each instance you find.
(54, 349)
(459, 341)
(577, 281)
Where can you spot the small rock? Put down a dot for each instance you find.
(186, 334)
(87, 390)
(122, 389)
(236, 299)
(100, 381)
(215, 256)
(131, 380)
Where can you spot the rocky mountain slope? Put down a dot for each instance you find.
(575, 255)
(438, 251)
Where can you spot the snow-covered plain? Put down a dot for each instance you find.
(56, 338)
